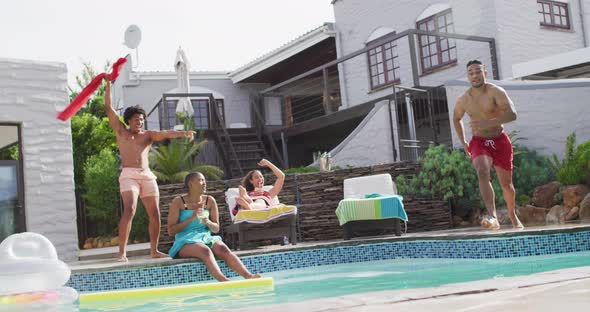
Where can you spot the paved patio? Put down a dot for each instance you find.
(107, 255)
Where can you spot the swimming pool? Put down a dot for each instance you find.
(519, 245)
(350, 278)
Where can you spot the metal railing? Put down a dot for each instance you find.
(413, 149)
(318, 92)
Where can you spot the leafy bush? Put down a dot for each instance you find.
(522, 199)
(530, 171)
(173, 161)
(140, 227)
(450, 175)
(102, 196)
(575, 167)
(309, 169)
(186, 121)
(90, 135)
(443, 174)
(302, 170)
(9, 153)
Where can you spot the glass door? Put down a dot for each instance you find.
(12, 212)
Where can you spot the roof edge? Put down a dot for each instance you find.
(287, 50)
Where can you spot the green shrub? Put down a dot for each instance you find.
(9, 153)
(558, 197)
(140, 227)
(103, 198)
(173, 161)
(522, 199)
(530, 171)
(90, 135)
(575, 167)
(450, 175)
(445, 175)
(102, 194)
(302, 170)
(310, 169)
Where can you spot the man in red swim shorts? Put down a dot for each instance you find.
(489, 108)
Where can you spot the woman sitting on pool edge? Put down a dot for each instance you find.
(252, 196)
(191, 220)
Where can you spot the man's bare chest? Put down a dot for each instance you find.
(482, 106)
(137, 141)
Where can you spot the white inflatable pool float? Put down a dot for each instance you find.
(31, 272)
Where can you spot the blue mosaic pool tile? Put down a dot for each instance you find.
(519, 246)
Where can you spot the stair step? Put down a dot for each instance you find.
(246, 158)
(258, 150)
(240, 135)
(245, 142)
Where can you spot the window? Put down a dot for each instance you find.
(435, 51)
(554, 14)
(201, 112)
(384, 65)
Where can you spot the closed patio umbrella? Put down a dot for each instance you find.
(181, 65)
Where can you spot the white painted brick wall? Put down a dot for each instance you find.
(514, 25)
(370, 143)
(31, 93)
(520, 38)
(548, 112)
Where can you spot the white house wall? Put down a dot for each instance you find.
(31, 94)
(357, 19)
(513, 24)
(370, 143)
(148, 92)
(520, 38)
(548, 112)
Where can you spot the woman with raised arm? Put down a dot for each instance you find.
(252, 195)
(192, 219)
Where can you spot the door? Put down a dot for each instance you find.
(12, 212)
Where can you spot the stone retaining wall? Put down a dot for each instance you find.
(316, 196)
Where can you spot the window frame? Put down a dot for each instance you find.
(199, 119)
(394, 58)
(438, 40)
(553, 15)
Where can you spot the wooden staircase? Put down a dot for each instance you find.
(249, 150)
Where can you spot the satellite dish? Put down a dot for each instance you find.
(132, 36)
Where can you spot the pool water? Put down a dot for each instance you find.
(344, 279)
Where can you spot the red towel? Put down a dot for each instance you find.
(85, 94)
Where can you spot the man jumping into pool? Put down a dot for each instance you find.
(136, 178)
(489, 108)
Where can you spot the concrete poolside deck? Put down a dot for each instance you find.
(138, 257)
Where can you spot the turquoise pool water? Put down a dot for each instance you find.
(344, 279)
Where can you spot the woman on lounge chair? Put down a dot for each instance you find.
(252, 196)
(191, 219)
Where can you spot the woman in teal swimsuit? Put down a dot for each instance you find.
(191, 219)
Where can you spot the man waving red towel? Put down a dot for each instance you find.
(85, 94)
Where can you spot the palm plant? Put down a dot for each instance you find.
(172, 162)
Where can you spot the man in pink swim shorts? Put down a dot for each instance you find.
(136, 178)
